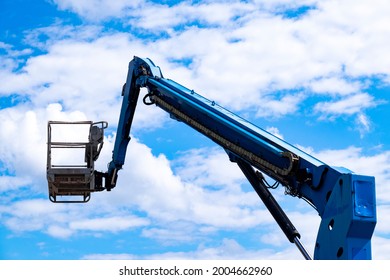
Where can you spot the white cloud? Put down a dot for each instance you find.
(364, 124)
(66, 220)
(23, 145)
(317, 51)
(335, 85)
(45, 37)
(154, 16)
(275, 131)
(110, 257)
(160, 17)
(353, 104)
(288, 104)
(383, 226)
(380, 248)
(59, 231)
(227, 249)
(81, 75)
(71, 70)
(11, 182)
(175, 233)
(97, 10)
(208, 167)
(366, 26)
(29, 215)
(111, 224)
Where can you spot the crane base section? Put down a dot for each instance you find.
(348, 221)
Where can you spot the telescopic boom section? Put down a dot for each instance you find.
(139, 71)
(344, 201)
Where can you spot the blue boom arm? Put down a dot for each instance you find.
(345, 201)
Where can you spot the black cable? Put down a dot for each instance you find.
(151, 102)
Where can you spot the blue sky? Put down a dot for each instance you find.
(316, 73)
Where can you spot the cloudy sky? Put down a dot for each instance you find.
(315, 73)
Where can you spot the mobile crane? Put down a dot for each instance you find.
(345, 201)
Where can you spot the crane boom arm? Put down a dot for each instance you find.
(344, 201)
